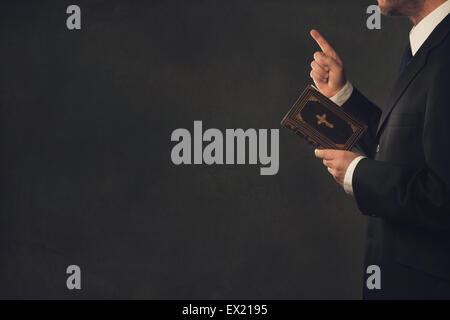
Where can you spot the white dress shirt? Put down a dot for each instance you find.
(417, 36)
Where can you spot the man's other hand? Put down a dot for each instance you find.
(337, 162)
(327, 68)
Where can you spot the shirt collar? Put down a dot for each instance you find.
(420, 32)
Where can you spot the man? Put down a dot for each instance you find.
(403, 182)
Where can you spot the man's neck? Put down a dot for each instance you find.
(425, 9)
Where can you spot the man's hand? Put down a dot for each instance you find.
(337, 162)
(327, 68)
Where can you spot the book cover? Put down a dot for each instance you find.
(323, 123)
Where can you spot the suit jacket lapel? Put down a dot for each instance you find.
(413, 68)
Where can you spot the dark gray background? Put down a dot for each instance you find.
(86, 175)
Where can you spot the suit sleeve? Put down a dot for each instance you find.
(418, 196)
(367, 112)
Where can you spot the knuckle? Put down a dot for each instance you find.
(328, 59)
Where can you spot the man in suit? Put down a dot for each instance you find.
(402, 182)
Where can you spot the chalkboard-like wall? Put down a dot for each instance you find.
(86, 172)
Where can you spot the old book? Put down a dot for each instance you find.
(322, 122)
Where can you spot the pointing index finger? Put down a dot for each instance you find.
(323, 44)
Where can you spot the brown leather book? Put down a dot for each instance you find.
(322, 122)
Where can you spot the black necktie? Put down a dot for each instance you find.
(407, 56)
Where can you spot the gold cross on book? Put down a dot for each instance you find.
(322, 119)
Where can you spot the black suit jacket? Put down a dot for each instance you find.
(404, 185)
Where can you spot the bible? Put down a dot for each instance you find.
(322, 122)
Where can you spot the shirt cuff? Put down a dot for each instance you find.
(343, 95)
(348, 178)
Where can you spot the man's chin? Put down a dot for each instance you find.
(389, 11)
